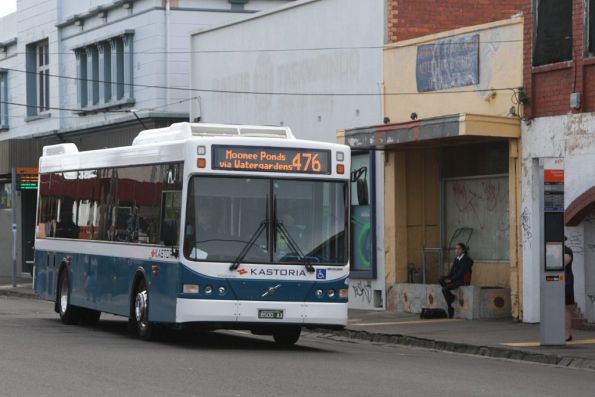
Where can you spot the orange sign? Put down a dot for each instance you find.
(26, 170)
(553, 175)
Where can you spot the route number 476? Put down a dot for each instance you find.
(311, 162)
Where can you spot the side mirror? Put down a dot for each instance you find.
(360, 177)
(362, 192)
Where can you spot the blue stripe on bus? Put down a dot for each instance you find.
(104, 283)
(253, 290)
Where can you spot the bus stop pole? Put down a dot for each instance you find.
(14, 227)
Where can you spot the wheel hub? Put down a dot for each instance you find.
(140, 308)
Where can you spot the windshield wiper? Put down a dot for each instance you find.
(236, 262)
(294, 246)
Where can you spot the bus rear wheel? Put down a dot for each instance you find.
(68, 313)
(287, 337)
(144, 328)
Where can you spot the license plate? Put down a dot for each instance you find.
(266, 314)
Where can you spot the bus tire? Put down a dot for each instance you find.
(139, 319)
(287, 337)
(68, 314)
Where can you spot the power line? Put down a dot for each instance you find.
(304, 49)
(98, 111)
(271, 93)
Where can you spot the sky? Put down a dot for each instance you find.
(7, 6)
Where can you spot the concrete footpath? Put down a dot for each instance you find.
(491, 338)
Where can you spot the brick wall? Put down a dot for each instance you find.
(549, 86)
(408, 19)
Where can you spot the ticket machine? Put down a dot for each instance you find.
(552, 252)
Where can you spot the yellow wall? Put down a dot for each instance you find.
(500, 66)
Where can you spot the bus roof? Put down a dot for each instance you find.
(182, 131)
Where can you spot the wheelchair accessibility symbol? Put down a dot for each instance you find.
(320, 274)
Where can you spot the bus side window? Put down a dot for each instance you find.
(170, 217)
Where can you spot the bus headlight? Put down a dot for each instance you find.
(222, 290)
(208, 289)
(318, 293)
(331, 293)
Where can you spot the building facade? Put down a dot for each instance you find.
(559, 122)
(315, 66)
(450, 136)
(93, 73)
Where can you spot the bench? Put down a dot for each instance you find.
(472, 302)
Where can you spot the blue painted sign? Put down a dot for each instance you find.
(448, 63)
(320, 274)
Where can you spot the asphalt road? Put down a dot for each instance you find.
(39, 356)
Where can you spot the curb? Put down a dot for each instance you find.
(16, 293)
(463, 348)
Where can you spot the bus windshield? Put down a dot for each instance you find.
(265, 220)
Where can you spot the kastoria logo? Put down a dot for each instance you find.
(274, 272)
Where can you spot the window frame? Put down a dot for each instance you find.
(105, 73)
(589, 30)
(536, 25)
(3, 99)
(42, 71)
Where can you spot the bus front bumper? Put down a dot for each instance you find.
(229, 311)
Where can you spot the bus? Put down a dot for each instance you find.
(206, 225)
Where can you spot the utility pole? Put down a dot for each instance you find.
(14, 227)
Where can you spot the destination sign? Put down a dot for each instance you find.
(26, 178)
(271, 159)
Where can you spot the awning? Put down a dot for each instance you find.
(462, 128)
(582, 206)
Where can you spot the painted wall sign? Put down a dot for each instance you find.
(553, 179)
(271, 159)
(448, 63)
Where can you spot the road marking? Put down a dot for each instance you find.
(537, 344)
(442, 320)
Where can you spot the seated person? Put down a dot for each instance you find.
(458, 275)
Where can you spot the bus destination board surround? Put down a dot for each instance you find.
(271, 159)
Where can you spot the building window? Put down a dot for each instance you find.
(475, 201)
(3, 99)
(363, 226)
(552, 32)
(590, 28)
(104, 72)
(43, 77)
(38, 78)
(5, 195)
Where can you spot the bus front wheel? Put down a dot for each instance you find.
(287, 337)
(68, 313)
(144, 328)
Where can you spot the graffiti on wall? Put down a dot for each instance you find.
(526, 226)
(362, 291)
(479, 204)
(575, 242)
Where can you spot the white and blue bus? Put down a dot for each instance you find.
(217, 226)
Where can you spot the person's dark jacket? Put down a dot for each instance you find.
(569, 279)
(459, 269)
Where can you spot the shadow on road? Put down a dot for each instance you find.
(190, 338)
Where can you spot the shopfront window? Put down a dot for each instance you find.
(362, 216)
(5, 195)
(476, 201)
